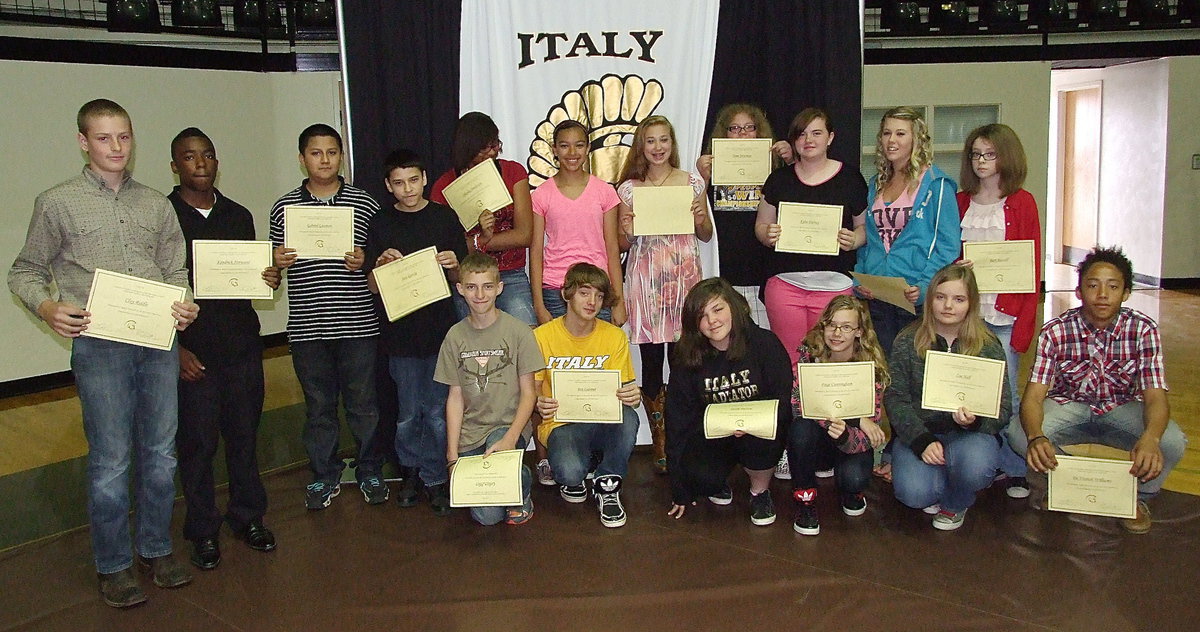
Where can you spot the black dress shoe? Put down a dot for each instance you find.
(206, 553)
(257, 536)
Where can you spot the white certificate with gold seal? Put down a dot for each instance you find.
(491, 481)
(954, 380)
(230, 269)
(758, 417)
(129, 309)
(1003, 266)
(837, 390)
(408, 284)
(809, 228)
(1100, 487)
(741, 161)
(318, 232)
(587, 396)
(478, 189)
(663, 210)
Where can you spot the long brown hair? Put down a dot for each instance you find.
(693, 346)
(636, 166)
(866, 346)
(725, 117)
(1010, 159)
(922, 149)
(972, 333)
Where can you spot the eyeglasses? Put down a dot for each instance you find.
(846, 329)
(748, 127)
(986, 156)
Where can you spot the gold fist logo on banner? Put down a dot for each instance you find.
(611, 109)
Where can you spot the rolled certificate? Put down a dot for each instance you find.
(492, 481)
(132, 310)
(230, 269)
(1100, 487)
(587, 396)
(758, 418)
(953, 380)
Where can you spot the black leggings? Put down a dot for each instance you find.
(652, 366)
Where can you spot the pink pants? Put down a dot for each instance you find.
(793, 311)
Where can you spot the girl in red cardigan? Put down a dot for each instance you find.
(993, 207)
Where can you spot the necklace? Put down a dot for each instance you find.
(664, 180)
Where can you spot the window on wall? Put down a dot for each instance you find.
(949, 126)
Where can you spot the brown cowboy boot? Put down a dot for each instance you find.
(658, 428)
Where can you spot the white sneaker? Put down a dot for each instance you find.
(825, 473)
(782, 471)
(933, 509)
(545, 475)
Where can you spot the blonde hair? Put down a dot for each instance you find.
(922, 150)
(866, 346)
(636, 166)
(972, 333)
(1010, 159)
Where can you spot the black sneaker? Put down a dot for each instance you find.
(374, 490)
(594, 460)
(1017, 487)
(608, 498)
(573, 493)
(410, 488)
(854, 504)
(723, 497)
(762, 509)
(439, 499)
(319, 494)
(806, 522)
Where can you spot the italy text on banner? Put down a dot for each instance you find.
(530, 64)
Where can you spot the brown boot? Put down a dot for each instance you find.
(658, 428)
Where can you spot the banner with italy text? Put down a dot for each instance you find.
(530, 64)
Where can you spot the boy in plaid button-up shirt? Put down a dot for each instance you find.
(1098, 378)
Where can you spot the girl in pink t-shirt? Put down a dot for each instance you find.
(573, 221)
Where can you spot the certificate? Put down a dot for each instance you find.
(953, 380)
(1002, 266)
(132, 310)
(837, 390)
(494, 481)
(230, 269)
(741, 161)
(319, 232)
(810, 229)
(408, 284)
(587, 396)
(478, 189)
(1101, 487)
(886, 289)
(663, 210)
(759, 418)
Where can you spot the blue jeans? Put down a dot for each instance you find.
(971, 462)
(421, 420)
(1011, 463)
(1074, 423)
(325, 370)
(488, 516)
(570, 447)
(809, 445)
(888, 320)
(130, 407)
(552, 298)
(516, 299)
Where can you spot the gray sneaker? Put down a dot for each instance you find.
(949, 520)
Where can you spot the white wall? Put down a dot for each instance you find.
(253, 119)
(1133, 150)
(1181, 213)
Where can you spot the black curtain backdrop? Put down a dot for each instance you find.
(402, 72)
(786, 56)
